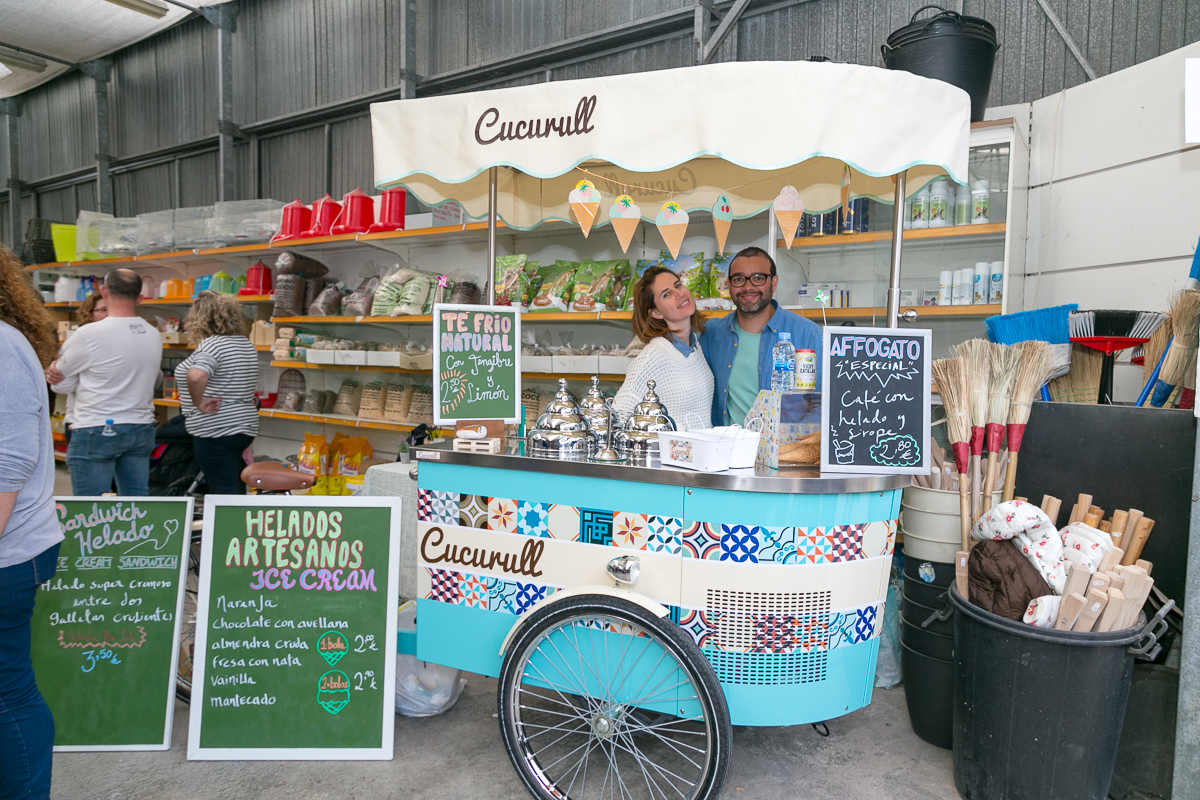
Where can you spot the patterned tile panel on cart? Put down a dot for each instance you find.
(484, 591)
(754, 544)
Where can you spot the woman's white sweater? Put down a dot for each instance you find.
(683, 384)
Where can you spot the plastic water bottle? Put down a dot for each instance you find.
(108, 428)
(783, 375)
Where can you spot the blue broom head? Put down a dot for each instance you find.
(1042, 324)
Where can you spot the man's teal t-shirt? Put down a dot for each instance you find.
(743, 378)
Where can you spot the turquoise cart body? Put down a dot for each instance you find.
(779, 577)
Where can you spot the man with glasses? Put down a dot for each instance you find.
(739, 347)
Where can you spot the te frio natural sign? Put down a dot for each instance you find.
(476, 363)
(105, 628)
(296, 629)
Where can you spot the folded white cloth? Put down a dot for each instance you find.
(1085, 546)
(1032, 532)
(1042, 611)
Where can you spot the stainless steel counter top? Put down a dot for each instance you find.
(760, 479)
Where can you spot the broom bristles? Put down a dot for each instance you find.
(1185, 322)
(1033, 371)
(1004, 361)
(1154, 348)
(1082, 383)
(974, 353)
(951, 377)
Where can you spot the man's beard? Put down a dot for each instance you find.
(746, 308)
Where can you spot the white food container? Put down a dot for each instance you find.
(383, 358)
(350, 358)
(614, 365)
(745, 445)
(536, 363)
(705, 451)
(587, 365)
(319, 356)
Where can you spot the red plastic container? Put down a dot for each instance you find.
(258, 280)
(266, 399)
(358, 213)
(324, 212)
(296, 219)
(391, 211)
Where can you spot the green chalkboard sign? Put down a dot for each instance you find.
(296, 629)
(105, 633)
(476, 363)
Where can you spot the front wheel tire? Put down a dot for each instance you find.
(598, 697)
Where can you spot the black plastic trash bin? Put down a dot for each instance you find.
(1037, 712)
(926, 661)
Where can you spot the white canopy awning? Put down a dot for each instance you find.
(740, 129)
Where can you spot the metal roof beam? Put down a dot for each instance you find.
(728, 23)
(1067, 39)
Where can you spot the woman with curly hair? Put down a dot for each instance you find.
(216, 390)
(29, 532)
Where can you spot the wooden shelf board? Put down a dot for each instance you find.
(262, 348)
(880, 311)
(287, 244)
(61, 457)
(232, 250)
(350, 367)
(343, 320)
(952, 232)
(333, 419)
(419, 232)
(173, 301)
(164, 403)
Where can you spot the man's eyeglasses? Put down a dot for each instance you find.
(758, 279)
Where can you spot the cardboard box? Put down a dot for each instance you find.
(929, 297)
(262, 333)
(586, 365)
(421, 361)
(313, 356)
(350, 358)
(378, 358)
(614, 365)
(171, 337)
(536, 364)
(909, 297)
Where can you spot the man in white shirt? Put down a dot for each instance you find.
(112, 366)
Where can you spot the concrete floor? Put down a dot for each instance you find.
(871, 754)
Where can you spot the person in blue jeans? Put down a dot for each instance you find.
(739, 347)
(112, 366)
(29, 530)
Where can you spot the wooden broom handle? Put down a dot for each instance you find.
(1010, 479)
(964, 511)
(990, 480)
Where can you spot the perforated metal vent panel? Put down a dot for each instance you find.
(768, 638)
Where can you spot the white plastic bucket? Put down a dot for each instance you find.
(930, 521)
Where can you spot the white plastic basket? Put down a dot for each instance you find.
(699, 450)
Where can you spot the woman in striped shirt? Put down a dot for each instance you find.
(216, 390)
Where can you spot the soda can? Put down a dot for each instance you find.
(806, 370)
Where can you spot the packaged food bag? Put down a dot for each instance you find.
(605, 278)
(314, 460)
(398, 399)
(358, 303)
(558, 281)
(305, 267)
(388, 292)
(512, 281)
(374, 400)
(718, 281)
(411, 301)
(639, 269)
(691, 271)
(348, 398)
(583, 296)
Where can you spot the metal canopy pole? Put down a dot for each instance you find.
(893, 295)
(1186, 781)
(490, 271)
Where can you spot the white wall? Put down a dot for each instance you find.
(1114, 200)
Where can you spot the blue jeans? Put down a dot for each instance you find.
(26, 727)
(95, 459)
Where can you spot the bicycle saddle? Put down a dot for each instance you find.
(271, 476)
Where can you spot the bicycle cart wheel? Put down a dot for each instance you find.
(600, 698)
(187, 628)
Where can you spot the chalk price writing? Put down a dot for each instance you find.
(94, 657)
(362, 677)
(364, 643)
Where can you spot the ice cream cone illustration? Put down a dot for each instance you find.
(672, 223)
(333, 691)
(585, 202)
(625, 216)
(788, 210)
(722, 220)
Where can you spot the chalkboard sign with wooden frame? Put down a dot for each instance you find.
(875, 404)
(476, 363)
(296, 629)
(105, 628)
